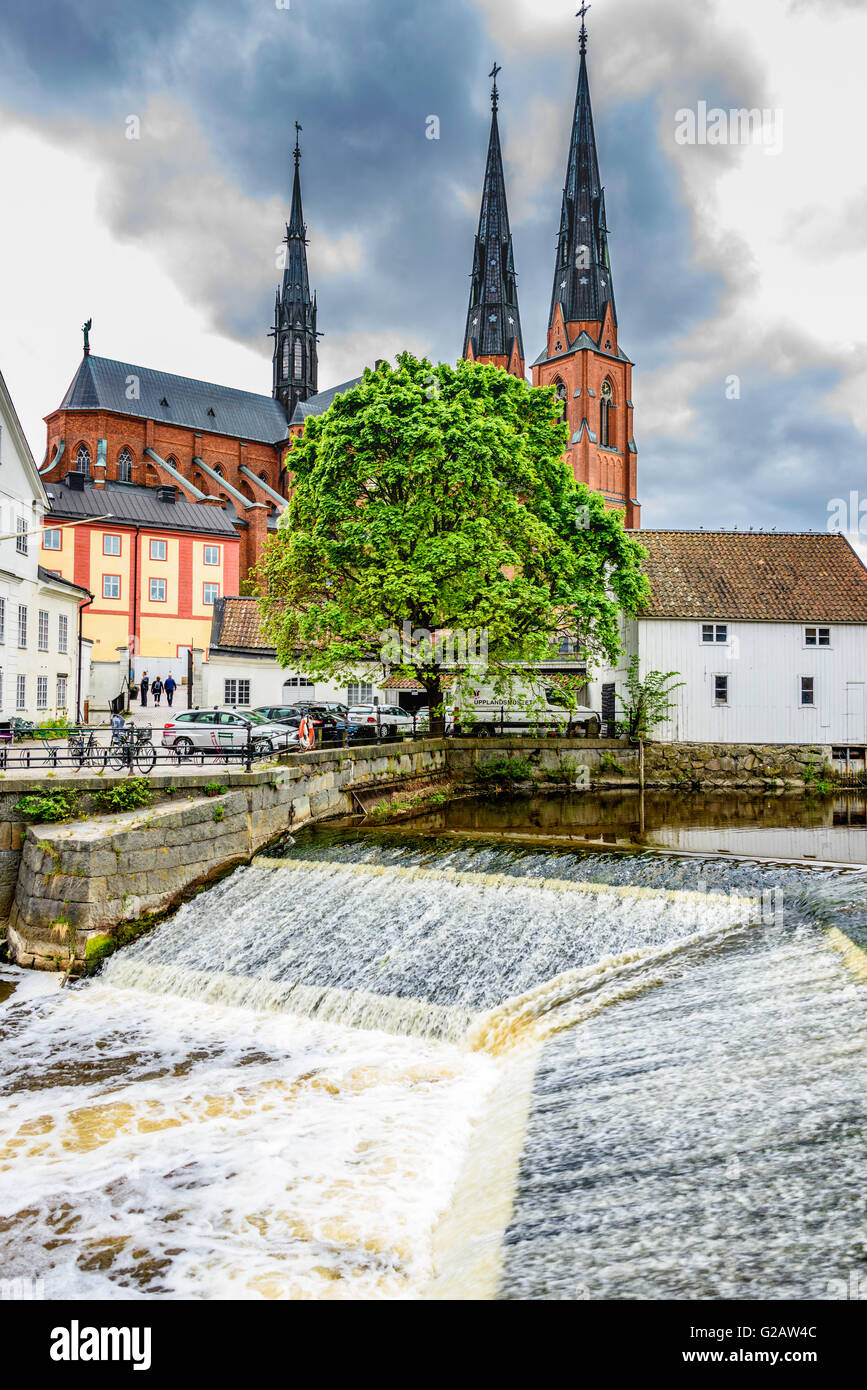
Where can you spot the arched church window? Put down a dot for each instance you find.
(605, 405)
(299, 359)
(82, 460)
(561, 397)
(124, 466)
(285, 357)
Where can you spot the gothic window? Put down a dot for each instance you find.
(124, 466)
(561, 397)
(605, 414)
(299, 359)
(285, 357)
(82, 460)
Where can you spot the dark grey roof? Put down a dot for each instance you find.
(493, 320)
(49, 577)
(318, 404)
(102, 382)
(139, 506)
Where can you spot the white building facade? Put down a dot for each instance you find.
(44, 670)
(767, 632)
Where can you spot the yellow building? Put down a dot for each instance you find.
(155, 564)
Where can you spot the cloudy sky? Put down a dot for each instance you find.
(740, 270)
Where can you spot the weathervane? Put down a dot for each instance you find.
(298, 130)
(583, 35)
(495, 95)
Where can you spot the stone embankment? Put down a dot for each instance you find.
(69, 886)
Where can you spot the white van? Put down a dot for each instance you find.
(531, 707)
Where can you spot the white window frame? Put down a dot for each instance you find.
(42, 624)
(110, 536)
(361, 698)
(811, 703)
(20, 692)
(63, 633)
(2, 620)
(22, 527)
(49, 535)
(715, 640)
(42, 692)
(115, 578)
(817, 645)
(721, 676)
(62, 691)
(156, 542)
(22, 626)
(208, 584)
(155, 598)
(214, 550)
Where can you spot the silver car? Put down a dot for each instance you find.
(221, 728)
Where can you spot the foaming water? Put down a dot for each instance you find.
(403, 1070)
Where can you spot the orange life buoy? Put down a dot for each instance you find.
(306, 735)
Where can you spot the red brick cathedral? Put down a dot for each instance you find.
(125, 427)
(582, 358)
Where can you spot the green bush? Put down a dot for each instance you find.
(505, 770)
(214, 788)
(52, 805)
(58, 727)
(130, 795)
(219, 813)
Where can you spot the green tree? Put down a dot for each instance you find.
(438, 498)
(647, 703)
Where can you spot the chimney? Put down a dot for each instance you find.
(75, 482)
(166, 494)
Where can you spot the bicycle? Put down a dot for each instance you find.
(85, 752)
(132, 746)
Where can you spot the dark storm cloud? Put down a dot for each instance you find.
(218, 85)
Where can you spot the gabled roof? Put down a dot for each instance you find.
(17, 431)
(237, 626)
(318, 404)
(138, 506)
(100, 382)
(755, 576)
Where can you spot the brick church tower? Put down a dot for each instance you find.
(493, 333)
(583, 359)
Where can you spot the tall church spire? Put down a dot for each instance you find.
(582, 276)
(583, 361)
(493, 332)
(296, 365)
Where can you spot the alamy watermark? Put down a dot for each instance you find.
(738, 126)
(417, 646)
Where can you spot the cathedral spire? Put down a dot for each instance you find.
(582, 276)
(493, 332)
(294, 333)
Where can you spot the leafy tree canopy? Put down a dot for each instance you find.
(438, 498)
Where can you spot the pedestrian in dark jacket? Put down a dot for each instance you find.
(145, 687)
(170, 687)
(156, 689)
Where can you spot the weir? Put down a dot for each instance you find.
(380, 1068)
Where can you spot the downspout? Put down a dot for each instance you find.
(81, 608)
(134, 598)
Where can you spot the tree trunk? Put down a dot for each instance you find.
(433, 688)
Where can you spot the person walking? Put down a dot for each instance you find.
(156, 689)
(170, 687)
(145, 687)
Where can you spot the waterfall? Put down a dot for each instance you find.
(404, 1069)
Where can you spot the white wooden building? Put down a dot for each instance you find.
(241, 668)
(767, 630)
(44, 669)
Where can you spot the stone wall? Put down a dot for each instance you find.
(735, 764)
(77, 881)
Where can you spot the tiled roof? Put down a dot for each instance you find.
(138, 506)
(318, 404)
(237, 624)
(757, 576)
(199, 405)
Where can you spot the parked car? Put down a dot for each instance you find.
(323, 706)
(329, 728)
(221, 728)
(388, 719)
